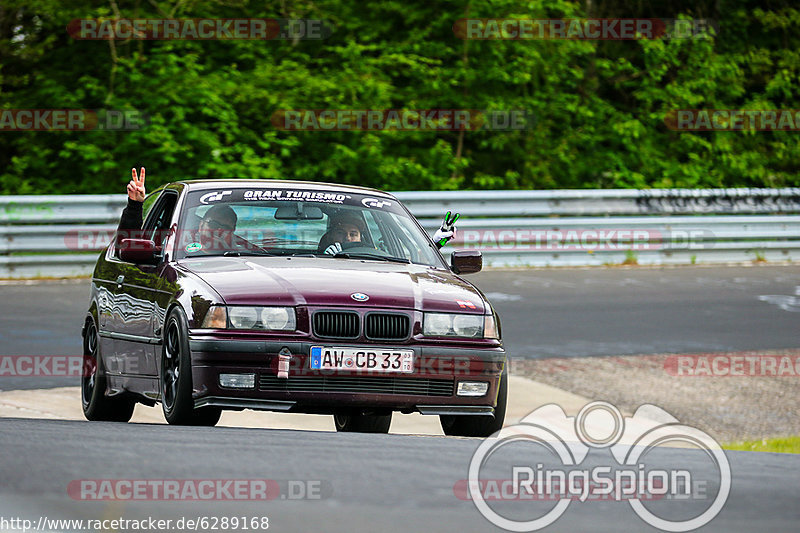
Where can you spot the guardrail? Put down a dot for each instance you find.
(60, 235)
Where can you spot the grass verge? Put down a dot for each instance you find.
(781, 445)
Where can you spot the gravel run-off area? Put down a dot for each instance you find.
(727, 407)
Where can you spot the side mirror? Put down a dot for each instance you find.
(466, 261)
(139, 251)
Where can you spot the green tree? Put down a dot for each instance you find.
(600, 105)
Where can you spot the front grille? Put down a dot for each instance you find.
(358, 384)
(336, 325)
(387, 326)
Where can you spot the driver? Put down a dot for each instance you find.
(215, 230)
(130, 223)
(346, 229)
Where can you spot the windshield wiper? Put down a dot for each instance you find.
(376, 257)
(237, 253)
(233, 253)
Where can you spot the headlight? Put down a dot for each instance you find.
(267, 318)
(447, 325)
(279, 318)
(243, 317)
(467, 325)
(438, 324)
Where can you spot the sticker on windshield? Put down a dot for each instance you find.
(194, 247)
(324, 198)
(214, 196)
(374, 202)
(311, 196)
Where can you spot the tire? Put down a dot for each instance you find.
(96, 405)
(175, 377)
(352, 422)
(479, 425)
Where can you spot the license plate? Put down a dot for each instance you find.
(365, 359)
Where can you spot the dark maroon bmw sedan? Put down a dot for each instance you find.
(290, 296)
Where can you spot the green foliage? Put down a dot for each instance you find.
(600, 105)
(630, 258)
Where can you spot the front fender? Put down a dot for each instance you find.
(194, 296)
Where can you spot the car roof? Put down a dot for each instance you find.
(200, 185)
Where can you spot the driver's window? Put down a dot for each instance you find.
(157, 224)
(149, 202)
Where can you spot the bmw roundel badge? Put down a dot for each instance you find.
(359, 297)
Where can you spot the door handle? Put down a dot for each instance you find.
(120, 279)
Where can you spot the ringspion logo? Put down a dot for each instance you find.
(629, 470)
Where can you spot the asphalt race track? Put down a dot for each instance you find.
(544, 313)
(367, 483)
(404, 482)
(619, 311)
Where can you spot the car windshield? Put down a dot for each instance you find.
(330, 225)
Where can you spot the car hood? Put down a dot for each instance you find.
(332, 282)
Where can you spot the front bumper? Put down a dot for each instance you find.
(430, 389)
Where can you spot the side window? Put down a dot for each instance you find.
(148, 203)
(159, 218)
(375, 230)
(410, 250)
(402, 242)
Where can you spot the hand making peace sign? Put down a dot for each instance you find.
(136, 186)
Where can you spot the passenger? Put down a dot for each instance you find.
(345, 229)
(447, 230)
